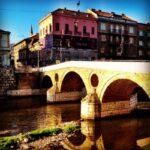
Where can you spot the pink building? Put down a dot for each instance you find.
(73, 32)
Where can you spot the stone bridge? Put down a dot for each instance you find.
(106, 87)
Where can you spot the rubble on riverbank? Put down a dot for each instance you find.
(44, 139)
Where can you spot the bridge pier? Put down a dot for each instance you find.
(91, 107)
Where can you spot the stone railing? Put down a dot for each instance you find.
(26, 92)
(64, 97)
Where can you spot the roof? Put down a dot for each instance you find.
(73, 14)
(28, 39)
(101, 13)
(3, 31)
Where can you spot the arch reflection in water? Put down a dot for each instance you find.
(88, 138)
(117, 134)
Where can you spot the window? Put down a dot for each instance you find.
(93, 30)
(66, 28)
(50, 28)
(141, 43)
(102, 26)
(117, 28)
(111, 27)
(117, 39)
(102, 50)
(84, 29)
(46, 29)
(140, 52)
(75, 28)
(148, 34)
(122, 29)
(141, 33)
(131, 40)
(103, 37)
(131, 29)
(57, 26)
(4, 40)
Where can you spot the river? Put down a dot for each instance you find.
(109, 134)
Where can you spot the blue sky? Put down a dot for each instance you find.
(17, 16)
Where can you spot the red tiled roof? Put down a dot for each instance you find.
(111, 15)
(74, 14)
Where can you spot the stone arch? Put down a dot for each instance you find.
(47, 82)
(72, 81)
(121, 89)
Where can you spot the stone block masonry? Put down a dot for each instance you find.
(7, 80)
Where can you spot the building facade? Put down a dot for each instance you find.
(69, 35)
(23, 56)
(144, 40)
(117, 35)
(4, 48)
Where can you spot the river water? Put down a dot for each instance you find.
(109, 134)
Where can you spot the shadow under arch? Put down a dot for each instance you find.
(122, 90)
(73, 82)
(46, 82)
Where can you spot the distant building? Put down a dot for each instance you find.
(4, 48)
(144, 40)
(69, 35)
(22, 54)
(117, 35)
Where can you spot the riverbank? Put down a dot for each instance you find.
(40, 138)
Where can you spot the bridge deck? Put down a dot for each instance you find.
(136, 67)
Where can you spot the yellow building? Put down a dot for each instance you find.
(22, 51)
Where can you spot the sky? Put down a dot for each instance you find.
(17, 16)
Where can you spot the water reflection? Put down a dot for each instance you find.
(121, 134)
(22, 120)
(110, 134)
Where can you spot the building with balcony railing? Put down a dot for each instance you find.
(117, 35)
(144, 40)
(62, 32)
(24, 54)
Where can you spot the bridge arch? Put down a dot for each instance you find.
(47, 82)
(121, 87)
(72, 81)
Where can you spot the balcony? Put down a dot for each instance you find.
(77, 33)
(114, 31)
(86, 34)
(68, 32)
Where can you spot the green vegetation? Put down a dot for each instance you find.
(12, 142)
(37, 134)
(70, 128)
(8, 142)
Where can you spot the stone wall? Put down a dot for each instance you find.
(115, 108)
(64, 97)
(7, 80)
